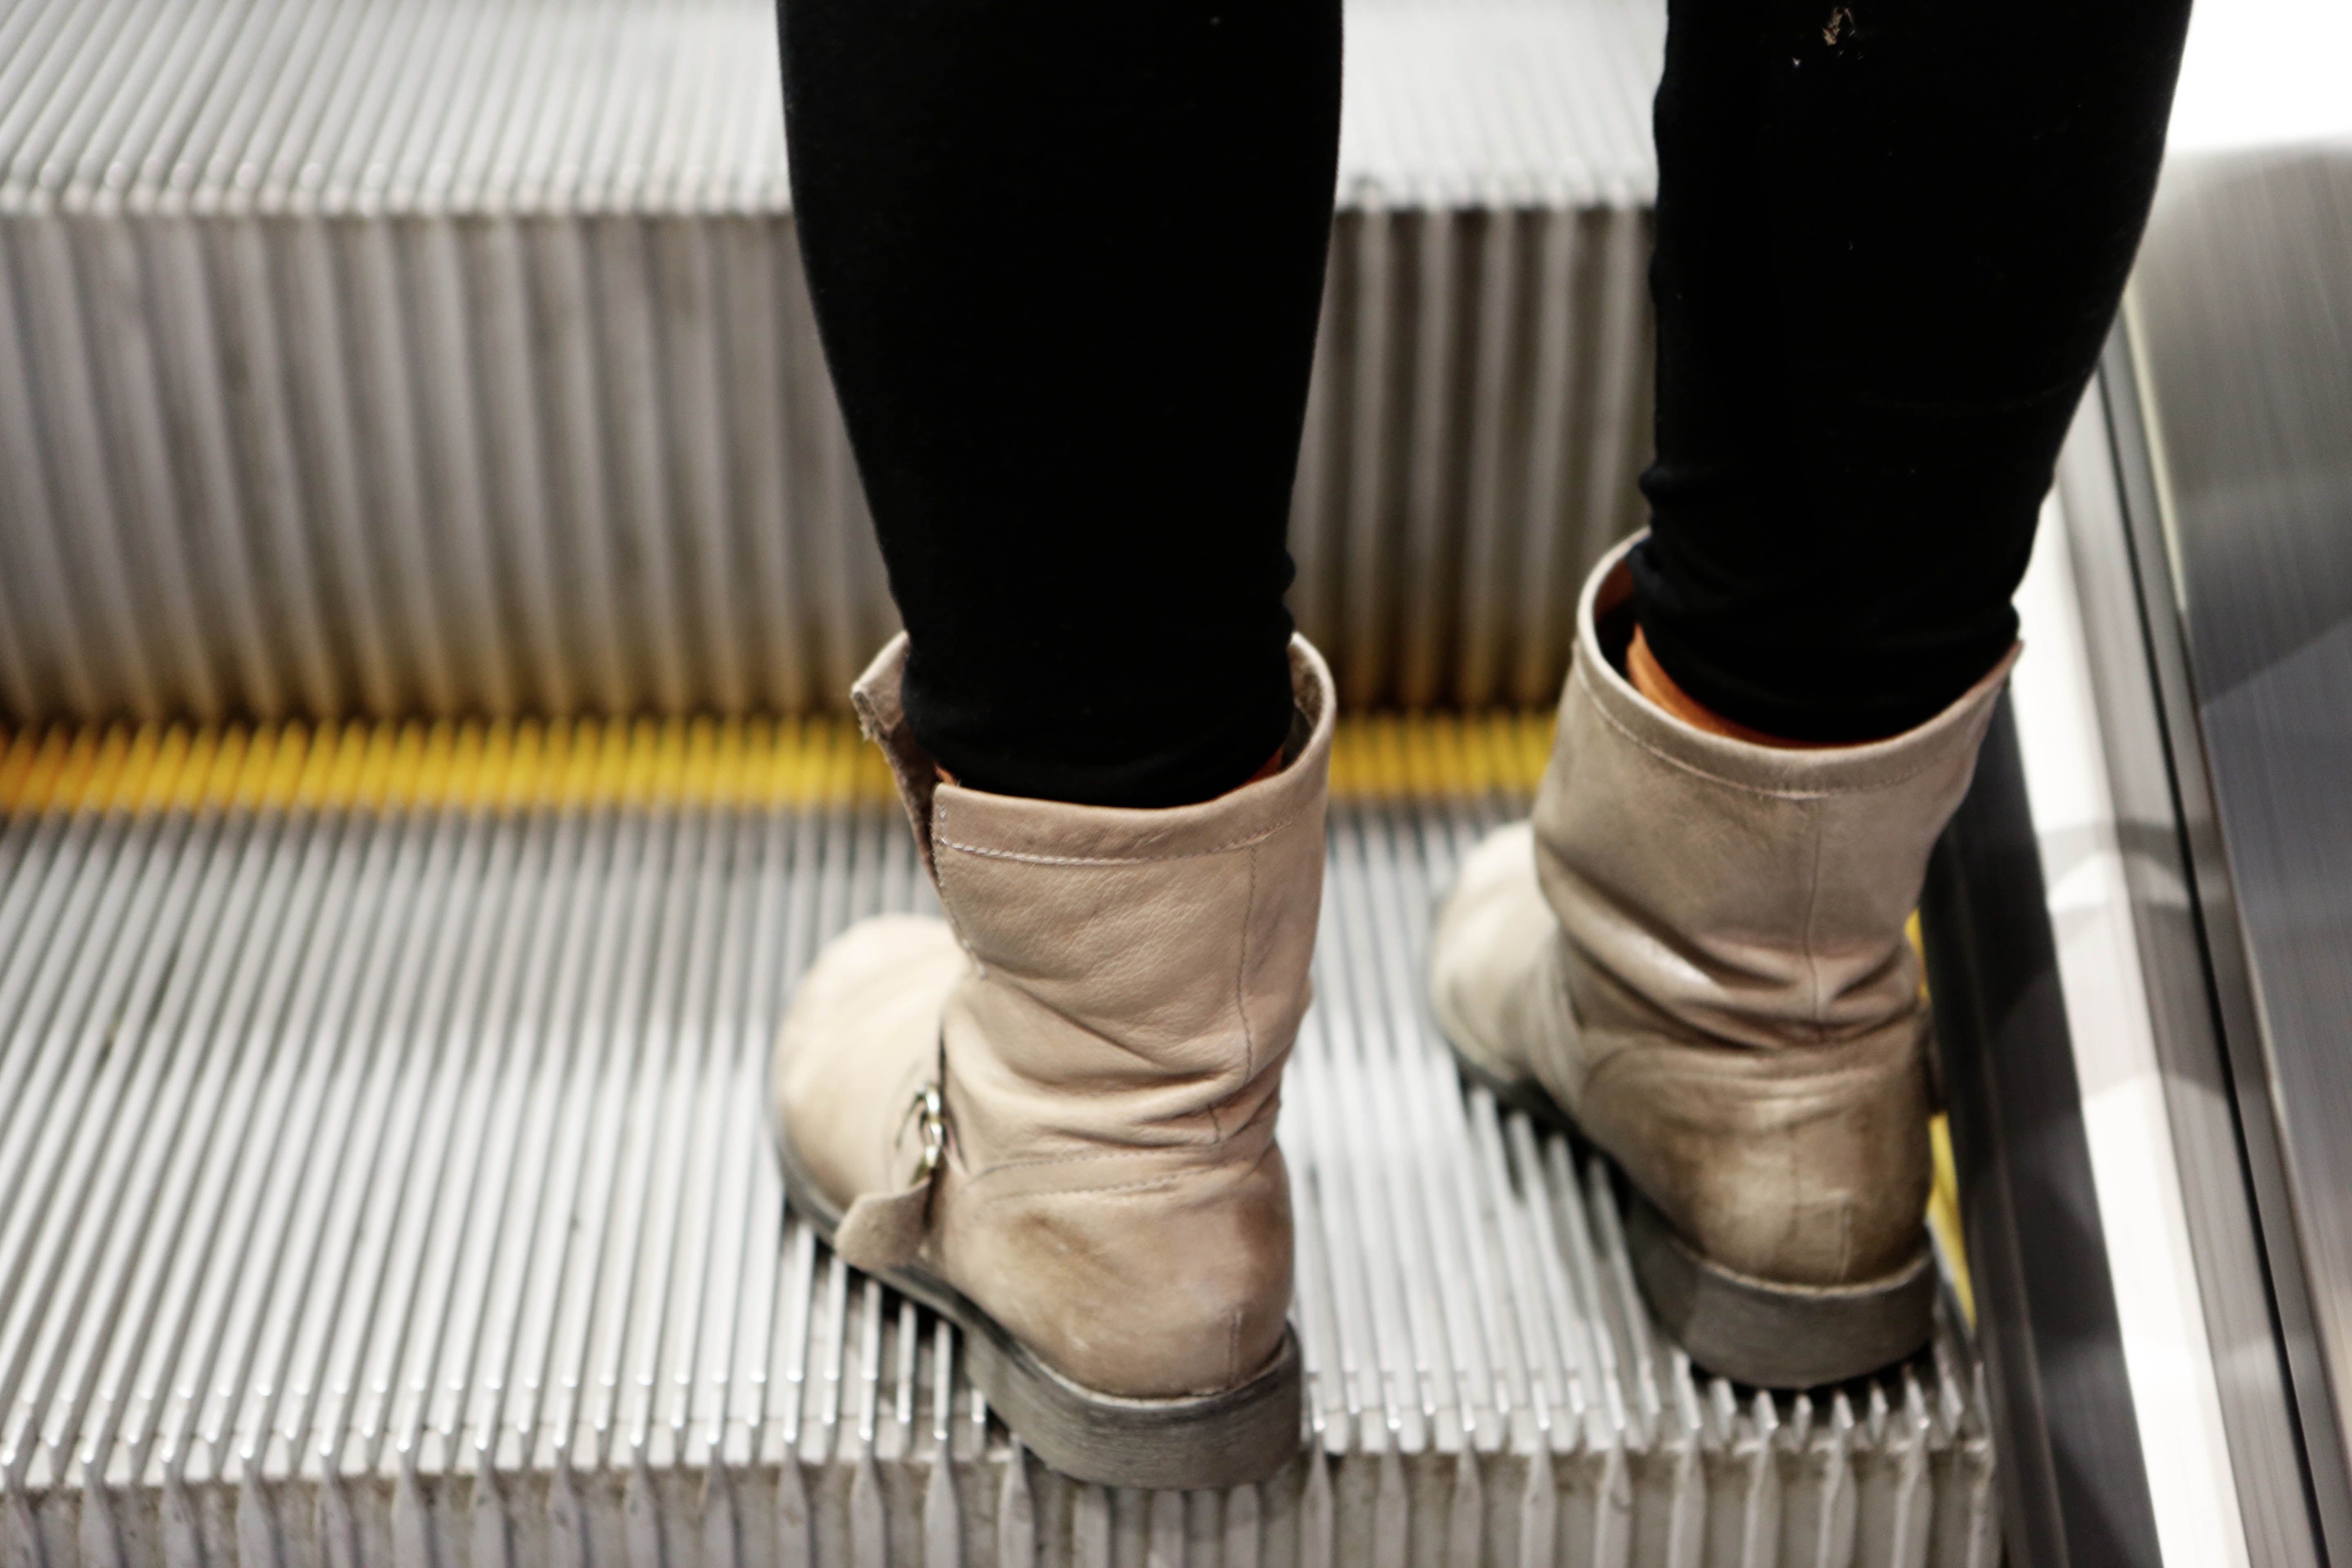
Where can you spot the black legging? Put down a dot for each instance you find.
(1066, 257)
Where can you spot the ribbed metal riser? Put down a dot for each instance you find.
(1376, 1512)
(390, 1110)
(453, 355)
(329, 467)
(1478, 418)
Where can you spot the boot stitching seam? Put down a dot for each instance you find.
(1813, 792)
(947, 906)
(1154, 1184)
(1813, 910)
(1240, 992)
(939, 818)
(1267, 1112)
(1171, 1179)
(1045, 1160)
(1214, 1146)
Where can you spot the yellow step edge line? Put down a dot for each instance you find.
(1943, 1215)
(1944, 1194)
(514, 764)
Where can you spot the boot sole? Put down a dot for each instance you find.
(1750, 1330)
(1240, 1436)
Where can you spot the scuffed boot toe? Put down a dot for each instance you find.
(1494, 979)
(858, 1043)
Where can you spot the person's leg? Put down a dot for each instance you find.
(1890, 241)
(1066, 260)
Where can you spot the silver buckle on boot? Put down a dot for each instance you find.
(929, 1108)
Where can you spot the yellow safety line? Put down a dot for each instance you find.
(1393, 756)
(1943, 1215)
(516, 764)
(1944, 1194)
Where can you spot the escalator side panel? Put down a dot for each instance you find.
(2242, 340)
(2074, 1485)
(2217, 1105)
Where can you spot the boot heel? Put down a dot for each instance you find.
(1232, 1437)
(1773, 1335)
(1750, 1330)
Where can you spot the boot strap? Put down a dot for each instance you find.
(885, 1230)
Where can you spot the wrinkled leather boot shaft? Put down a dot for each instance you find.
(1112, 1011)
(1709, 968)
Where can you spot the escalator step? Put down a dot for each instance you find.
(381, 1118)
(453, 357)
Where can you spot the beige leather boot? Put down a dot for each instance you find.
(1051, 1116)
(1694, 953)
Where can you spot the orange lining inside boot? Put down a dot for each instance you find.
(1649, 678)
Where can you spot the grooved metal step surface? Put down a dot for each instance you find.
(386, 1183)
(393, 356)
